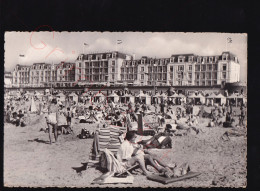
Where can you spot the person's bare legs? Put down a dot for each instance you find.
(50, 131)
(56, 132)
(139, 159)
(152, 158)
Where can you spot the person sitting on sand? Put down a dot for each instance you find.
(20, 119)
(130, 153)
(229, 121)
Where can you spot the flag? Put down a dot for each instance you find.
(229, 40)
(119, 41)
(21, 55)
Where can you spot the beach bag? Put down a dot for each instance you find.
(52, 118)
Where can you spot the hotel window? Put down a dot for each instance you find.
(172, 59)
(135, 76)
(197, 68)
(159, 76)
(214, 75)
(209, 83)
(224, 75)
(203, 83)
(215, 67)
(142, 77)
(208, 75)
(214, 82)
(180, 76)
(164, 69)
(150, 69)
(131, 70)
(154, 69)
(113, 76)
(224, 67)
(131, 76)
(142, 69)
(171, 76)
(79, 70)
(209, 67)
(164, 76)
(224, 57)
(190, 67)
(80, 64)
(190, 76)
(171, 68)
(160, 69)
(122, 70)
(86, 65)
(203, 76)
(204, 59)
(180, 68)
(154, 77)
(190, 59)
(122, 77)
(210, 59)
(189, 82)
(203, 68)
(113, 63)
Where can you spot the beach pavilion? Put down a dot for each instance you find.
(73, 97)
(144, 98)
(61, 96)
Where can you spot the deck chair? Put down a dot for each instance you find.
(115, 170)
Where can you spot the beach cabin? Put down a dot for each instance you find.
(114, 97)
(232, 100)
(143, 98)
(177, 98)
(210, 99)
(156, 98)
(220, 99)
(61, 96)
(98, 97)
(197, 99)
(73, 97)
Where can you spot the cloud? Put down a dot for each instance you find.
(48, 54)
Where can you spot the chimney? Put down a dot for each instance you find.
(133, 56)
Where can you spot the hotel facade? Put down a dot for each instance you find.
(116, 68)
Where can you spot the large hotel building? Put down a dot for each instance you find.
(116, 68)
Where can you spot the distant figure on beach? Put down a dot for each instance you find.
(52, 120)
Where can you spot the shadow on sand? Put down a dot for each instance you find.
(82, 168)
(39, 141)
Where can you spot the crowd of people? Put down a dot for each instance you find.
(61, 116)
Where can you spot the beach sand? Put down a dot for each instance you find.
(30, 161)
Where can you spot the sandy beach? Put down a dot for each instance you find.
(30, 161)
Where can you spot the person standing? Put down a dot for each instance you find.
(162, 105)
(52, 121)
(242, 116)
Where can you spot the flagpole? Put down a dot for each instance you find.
(226, 44)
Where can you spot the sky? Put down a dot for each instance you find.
(54, 47)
